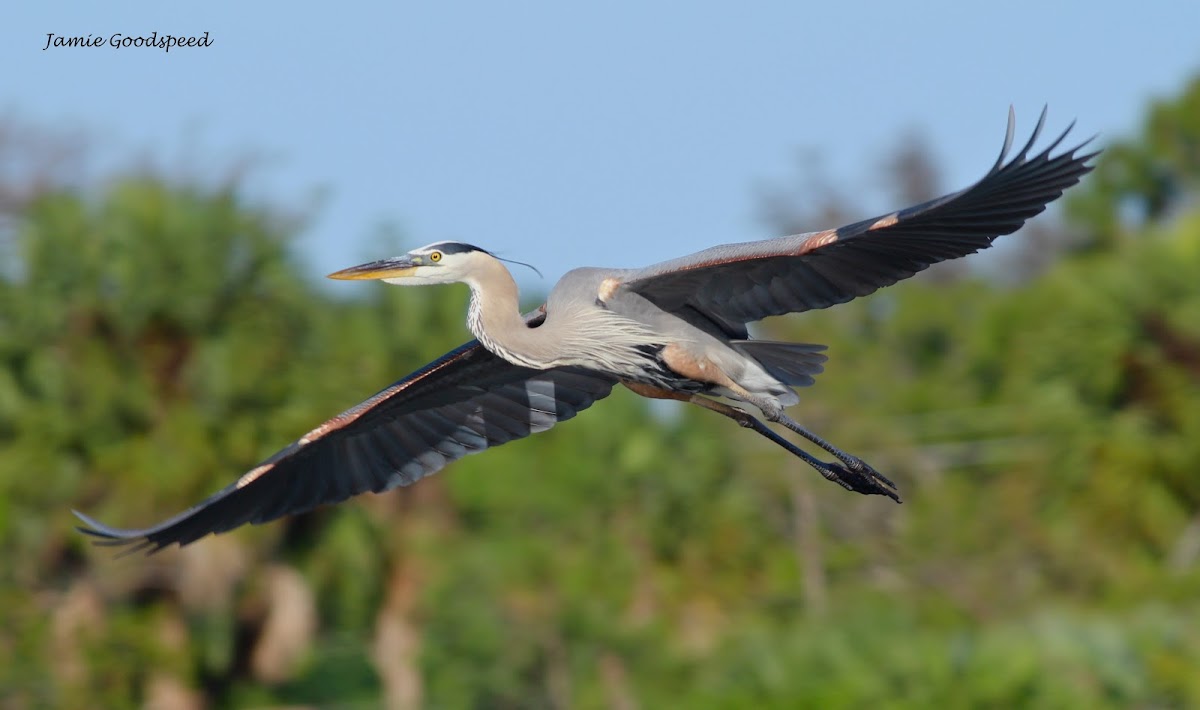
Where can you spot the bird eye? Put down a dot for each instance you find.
(435, 256)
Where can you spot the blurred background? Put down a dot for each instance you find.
(165, 219)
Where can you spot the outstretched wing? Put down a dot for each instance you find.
(742, 283)
(463, 403)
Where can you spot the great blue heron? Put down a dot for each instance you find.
(675, 330)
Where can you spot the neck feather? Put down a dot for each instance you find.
(495, 316)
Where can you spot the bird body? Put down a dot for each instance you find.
(591, 321)
(674, 330)
(656, 347)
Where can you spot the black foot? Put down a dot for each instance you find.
(860, 478)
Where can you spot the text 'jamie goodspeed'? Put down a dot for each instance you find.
(123, 41)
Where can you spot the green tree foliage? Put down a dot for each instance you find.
(1145, 179)
(157, 339)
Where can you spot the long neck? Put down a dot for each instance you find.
(495, 318)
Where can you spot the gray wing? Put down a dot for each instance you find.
(463, 403)
(742, 283)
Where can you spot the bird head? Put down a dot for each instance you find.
(437, 263)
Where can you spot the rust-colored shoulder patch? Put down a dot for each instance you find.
(608, 289)
(333, 424)
(252, 475)
(818, 240)
(887, 221)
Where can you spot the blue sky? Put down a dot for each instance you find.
(614, 134)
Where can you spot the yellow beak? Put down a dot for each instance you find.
(382, 269)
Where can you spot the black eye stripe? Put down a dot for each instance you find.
(458, 248)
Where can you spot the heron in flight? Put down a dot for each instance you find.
(675, 330)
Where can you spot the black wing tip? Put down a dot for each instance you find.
(1022, 156)
(106, 536)
(1010, 132)
(1079, 164)
(95, 528)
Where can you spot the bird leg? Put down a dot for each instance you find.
(879, 483)
(847, 478)
(876, 481)
(844, 476)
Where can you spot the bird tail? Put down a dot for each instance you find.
(794, 364)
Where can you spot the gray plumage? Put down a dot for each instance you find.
(675, 330)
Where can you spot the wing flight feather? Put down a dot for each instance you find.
(465, 402)
(742, 283)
